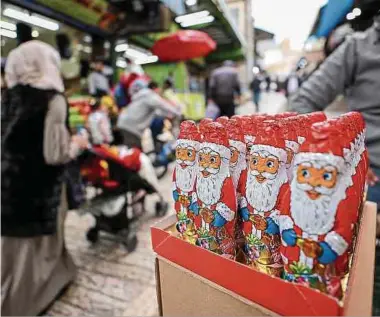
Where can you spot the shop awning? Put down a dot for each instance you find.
(331, 15)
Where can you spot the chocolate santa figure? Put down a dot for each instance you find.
(215, 192)
(263, 186)
(238, 161)
(316, 231)
(184, 176)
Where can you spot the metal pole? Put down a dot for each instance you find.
(250, 41)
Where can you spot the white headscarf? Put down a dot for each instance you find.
(36, 64)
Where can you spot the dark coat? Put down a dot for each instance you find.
(31, 189)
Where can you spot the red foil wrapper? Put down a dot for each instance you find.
(215, 220)
(316, 231)
(184, 176)
(264, 187)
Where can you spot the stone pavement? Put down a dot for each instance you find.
(109, 280)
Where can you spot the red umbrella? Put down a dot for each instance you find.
(183, 45)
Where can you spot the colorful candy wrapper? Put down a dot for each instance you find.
(264, 187)
(315, 230)
(184, 176)
(215, 220)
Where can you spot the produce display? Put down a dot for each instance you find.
(285, 190)
(79, 110)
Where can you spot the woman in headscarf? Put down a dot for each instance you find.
(36, 144)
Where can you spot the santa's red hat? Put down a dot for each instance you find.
(289, 129)
(203, 123)
(188, 134)
(222, 120)
(215, 138)
(235, 135)
(323, 145)
(270, 139)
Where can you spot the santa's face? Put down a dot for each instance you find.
(317, 181)
(263, 166)
(314, 196)
(209, 162)
(186, 167)
(212, 171)
(266, 174)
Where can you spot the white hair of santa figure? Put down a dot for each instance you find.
(263, 196)
(317, 216)
(209, 189)
(241, 164)
(292, 141)
(186, 170)
(236, 142)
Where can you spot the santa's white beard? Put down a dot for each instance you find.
(314, 217)
(237, 168)
(263, 196)
(209, 189)
(185, 177)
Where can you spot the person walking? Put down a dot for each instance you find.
(224, 86)
(352, 70)
(256, 91)
(98, 84)
(141, 112)
(36, 144)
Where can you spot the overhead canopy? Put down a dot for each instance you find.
(105, 18)
(331, 15)
(261, 35)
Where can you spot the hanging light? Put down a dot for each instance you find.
(31, 19)
(7, 33)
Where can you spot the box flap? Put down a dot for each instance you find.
(358, 301)
(244, 281)
(187, 294)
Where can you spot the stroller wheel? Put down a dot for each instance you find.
(131, 243)
(93, 235)
(161, 208)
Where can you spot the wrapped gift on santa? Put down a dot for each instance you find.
(215, 221)
(184, 176)
(264, 189)
(316, 231)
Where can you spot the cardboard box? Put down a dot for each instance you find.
(192, 281)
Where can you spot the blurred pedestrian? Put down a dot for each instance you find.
(36, 144)
(99, 124)
(256, 90)
(140, 113)
(292, 84)
(224, 86)
(98, 84)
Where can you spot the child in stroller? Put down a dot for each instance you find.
(114, 172)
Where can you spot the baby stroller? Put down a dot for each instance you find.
(114, 177)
